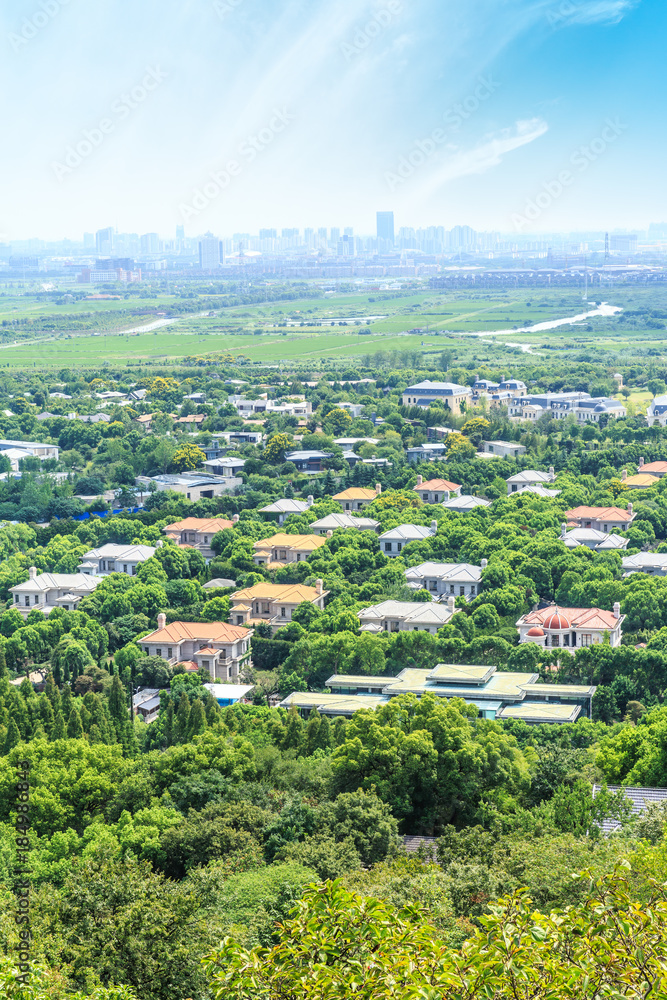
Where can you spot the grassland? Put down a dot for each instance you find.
(313, 330)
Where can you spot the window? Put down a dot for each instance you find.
(282, 613)
(462, 591)
(170, 652)
(452, 588)
(205, 539)
(387, 546)
(222, 655)
(134, 571)
(555, 640)
(436, 497)
(158, 652)
(400, 546)
(205, 663)
(36, 601)
(265, 607)
(27, 602)
(124, 567)
(566, 640)
(239, 619)
(586, 639)
(16, 598)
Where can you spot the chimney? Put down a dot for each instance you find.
(629, 508)
(624, 475)
(617, 610)
(420, 480)
(641, 463)
(310, 499)
(319, 586)
(551, 472)
(32, 572)
(235, 519)
(484, 563)
(563, 529)
(378, 489)
(329, 533)
(161, 620)
(434, 527)
(451, 604)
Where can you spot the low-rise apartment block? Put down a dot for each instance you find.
(451, 396)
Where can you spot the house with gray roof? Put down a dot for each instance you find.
(393, 542)
(332, 522)
(443, 580)
(46, 591)
(406, 616)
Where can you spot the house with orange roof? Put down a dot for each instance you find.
(436, 490)
(273, 602)
(555, 627)
(356, 498)
(198, 532)
(642, 481)
(600, 518)
(220, 648)
(658, 469)
(281, 549)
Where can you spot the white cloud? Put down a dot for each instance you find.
(592, 11)
(485, 155)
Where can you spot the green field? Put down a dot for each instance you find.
(265, 331)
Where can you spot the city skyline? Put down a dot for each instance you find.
(232, 116)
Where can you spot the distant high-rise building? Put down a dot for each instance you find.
(150, 243)
(268, 234)
(348, 231)
(309, 237)
(623, 243)
(385, 228)
(461, 237)
(88, 241)
(211, 252)
(345, 246)
(180, 232)
(104, 242)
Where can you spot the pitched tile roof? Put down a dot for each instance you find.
(356, 493)
(437, 484)
(211, 525)
(594, 618)
(200, 631)
(599, 514)
(290, 593)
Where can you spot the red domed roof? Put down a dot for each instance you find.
(535, 631)
(556, 621)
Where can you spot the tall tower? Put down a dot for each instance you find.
(385, 230)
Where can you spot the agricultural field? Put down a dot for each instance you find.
(153, 326)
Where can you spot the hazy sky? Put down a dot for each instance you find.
(525, 115)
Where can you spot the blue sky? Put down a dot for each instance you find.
(524, 115)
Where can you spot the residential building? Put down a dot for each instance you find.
(496, 694)
(652, 563)
(279, 550)
(346, 443)
(36, 448)
(281, 509)
(501, 449)
(601, 518)
(308, 461)
(193, 485)
(642, 481)
(197, 532)
(273, 602)
(145, 421)
(443, 580)
(211, 252)
(228, 467)
(406, 616)
(392, 542)
(354, 409)
(146, 704)
(656, 412)
(47, 591)
(356, 498)
(639, 798)
(658, 469)
(583, 407)
(462, 505)
(598, 541)
(385, 230)
(552, 627)
(245, 437)
(451, 396)
(332, 522)
(529, 477)
(436, 490)
(512, 385)
(112, 558)
(192, 419)
(431, 452)
(220, 648)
